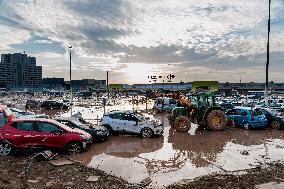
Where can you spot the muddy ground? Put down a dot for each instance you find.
(42, 174)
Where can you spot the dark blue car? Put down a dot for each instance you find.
(98, 133)
(247, 118)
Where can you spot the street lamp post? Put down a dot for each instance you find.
(267, 60)
(70, 80)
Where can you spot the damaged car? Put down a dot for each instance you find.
(275, 121)
(20, 134)
(98, 133)
(131, 122)
(248, 119)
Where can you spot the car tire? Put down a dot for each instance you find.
(73, 148)
(147, 133)
(5, 148)
(275, 124)
(247, 126)
(109, 130)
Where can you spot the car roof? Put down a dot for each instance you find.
(120, 111)
(34, 119)
(65, 118)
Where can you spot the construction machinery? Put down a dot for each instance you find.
(199, 108)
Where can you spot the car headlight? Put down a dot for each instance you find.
(86, 136)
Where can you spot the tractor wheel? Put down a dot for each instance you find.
(182, 124)
(216, 120)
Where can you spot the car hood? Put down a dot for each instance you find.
(98, 127)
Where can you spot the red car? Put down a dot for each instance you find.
(41, 133)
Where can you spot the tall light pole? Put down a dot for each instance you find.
(267, 59)
(71, 98)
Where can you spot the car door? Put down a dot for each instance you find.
(53, 136)
(231, 114)
(240, 117)
(25, 134)
(118, 122)
(131, 124)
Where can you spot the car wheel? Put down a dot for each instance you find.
(246, 126)
(275, 125)
(73, 148)
(146, 133)
(5, 148)
(108, 130)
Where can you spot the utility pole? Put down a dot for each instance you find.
(267, 60)
(107, 87)
(71, 97)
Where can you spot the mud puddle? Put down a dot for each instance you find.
(177, 156)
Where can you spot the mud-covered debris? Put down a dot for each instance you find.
(146, 182)
(60, 162)
(274, 185)
(33, 181)
(93, 178)
(245, 152)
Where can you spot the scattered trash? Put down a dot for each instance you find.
(245, 152)
(33, 181)
(60, 162)
(47, 155)
(93, 178)
(146, 182)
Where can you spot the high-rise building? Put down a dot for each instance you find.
(19, 71)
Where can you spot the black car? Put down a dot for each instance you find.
(274, 121)
(52, 104)
(227, 106)
(98, 133)
(32, 104)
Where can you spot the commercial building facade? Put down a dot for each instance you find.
(19, 71)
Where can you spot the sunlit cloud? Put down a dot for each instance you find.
(200, 39)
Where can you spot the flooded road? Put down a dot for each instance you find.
(177, 156)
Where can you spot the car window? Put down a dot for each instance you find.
(238, 112)
(130, 117)
(47, 127)
(117, 116)
(264, 111)
(173, 101)
(2, 119)
(244, 113)
(160, 101)
(257, 112)
(26, 125)
(231, 112)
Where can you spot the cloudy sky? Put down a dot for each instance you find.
(221, 40)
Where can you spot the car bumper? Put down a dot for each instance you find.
(99, 138)
(86, 144)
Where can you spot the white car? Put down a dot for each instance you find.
(131, 122)
(24, 114)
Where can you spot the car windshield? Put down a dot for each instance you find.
(272, 112)
(256, 112)
(79, 124)
(139, 115)
(63, 126)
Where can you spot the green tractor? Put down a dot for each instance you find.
(201, 109)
